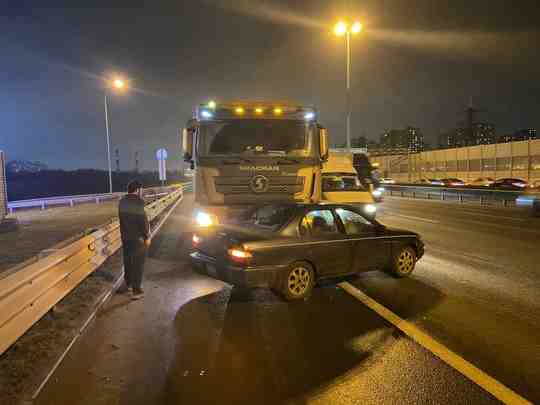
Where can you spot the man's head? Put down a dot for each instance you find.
(134, 187)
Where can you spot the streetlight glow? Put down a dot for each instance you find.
(118, 83)
(340, 28)
(356, 28)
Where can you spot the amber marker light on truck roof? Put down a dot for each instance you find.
(259, 110)
(278, 110)
(239, 110)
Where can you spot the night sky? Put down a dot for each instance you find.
(417, 63)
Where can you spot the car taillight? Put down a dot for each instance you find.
(239, 254)
(196, 240)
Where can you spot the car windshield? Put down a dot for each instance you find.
(341, 182)
(272, 216)
(256, 137)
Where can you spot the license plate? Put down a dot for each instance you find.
(211, 270)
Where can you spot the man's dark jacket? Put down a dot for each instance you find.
(133, 221)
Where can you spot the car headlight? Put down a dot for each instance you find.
(205, 220)
(377, 193)
(370, 209)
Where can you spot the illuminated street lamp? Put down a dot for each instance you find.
(340, 29)
(117, 84)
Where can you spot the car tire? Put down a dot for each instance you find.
(403, 262)
(297, 282)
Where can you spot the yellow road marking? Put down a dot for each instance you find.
(473, 373)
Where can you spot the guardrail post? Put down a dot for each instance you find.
(460, 196)
(390, 193)
(428, 196)
(413, 194)
(11, 210)
(97, 200)
(442, 195)
(71, 203)
(505, 203)
(42, 205)
(402, 193)
(481, 200)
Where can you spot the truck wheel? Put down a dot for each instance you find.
(403, 262)
(298, 281)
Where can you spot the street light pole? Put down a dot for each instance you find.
(106, 103)
(348, 90)
(342, 28)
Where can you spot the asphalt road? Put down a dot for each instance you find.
(194, 340)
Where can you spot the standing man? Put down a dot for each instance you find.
(135, 233)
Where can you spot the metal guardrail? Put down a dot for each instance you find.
(30, 292)
(457, 194)
(72, 200)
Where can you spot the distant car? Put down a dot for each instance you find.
(378, 194)
(509, 184)
(535, 184)
(422, 181)
(290, 247)
(387, 180)
(452, 182)
(436, 182)
(481, 182)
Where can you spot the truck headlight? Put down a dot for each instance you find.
(205, 220)
(370, 209)
(377, 193)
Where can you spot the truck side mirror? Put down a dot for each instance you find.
(187, 144)
(323, 143)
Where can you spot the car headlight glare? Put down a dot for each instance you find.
(370, 209)
(204, 219)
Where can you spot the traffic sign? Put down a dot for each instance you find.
(161, 154)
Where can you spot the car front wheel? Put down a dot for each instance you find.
(403, 262)
(298, 281)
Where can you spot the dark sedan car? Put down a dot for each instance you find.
(509, 184)
(289, 247)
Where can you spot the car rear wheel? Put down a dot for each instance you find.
(404, 262)
(298, 281)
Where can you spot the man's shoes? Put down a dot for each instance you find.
(125, 290)
(137, 294)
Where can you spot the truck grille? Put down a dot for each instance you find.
(277, 184)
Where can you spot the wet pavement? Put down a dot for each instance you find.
(195, 340)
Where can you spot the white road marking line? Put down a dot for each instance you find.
(492, 215)
(473, 373)
(431, 221)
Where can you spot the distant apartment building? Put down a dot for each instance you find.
(481, 133)
(409, 139)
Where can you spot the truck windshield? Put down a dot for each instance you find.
(341, 182)
(256, 136)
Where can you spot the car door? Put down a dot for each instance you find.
(326, 246)
(369, 250)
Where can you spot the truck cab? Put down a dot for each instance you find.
(250, 153)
